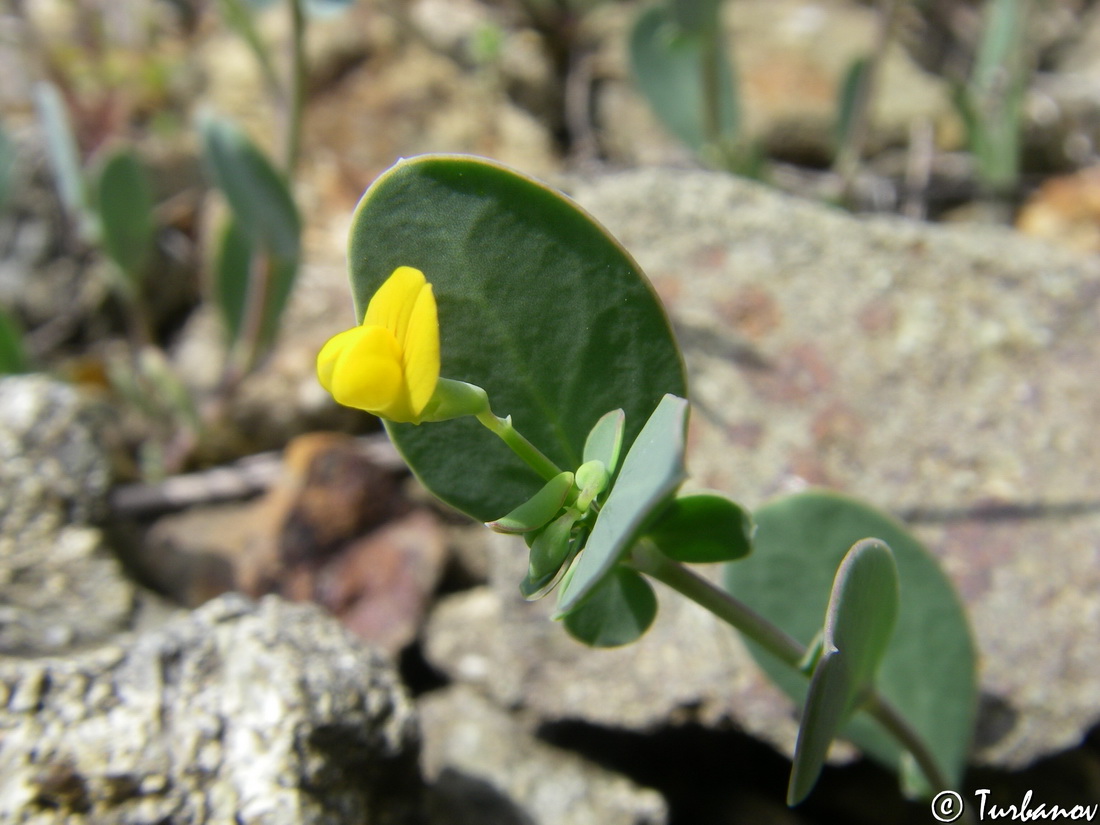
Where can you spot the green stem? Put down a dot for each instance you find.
(502, 427)
(646, 558)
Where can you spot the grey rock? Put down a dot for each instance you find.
(239, 712)
(487, 767)
(931, 371)
(59, 585)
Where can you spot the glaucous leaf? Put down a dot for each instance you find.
(538, 304)
(64, 157)
(858, 623)
(928, 672)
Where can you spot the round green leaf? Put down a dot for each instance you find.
(125, 205)
(616, 613)
(928, 671)
(537, 304)
(702, 528)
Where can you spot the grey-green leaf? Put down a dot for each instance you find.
(652, 471)
(670, 64)
(7, 165)
(928, 672)
(550, 552)
(125, 204)
(605, 440)
(822, 716)
(859, 621)
(702, 528)
(64, 157)
(617, 612)
(537, 511)
(537, 304)
(256, 191)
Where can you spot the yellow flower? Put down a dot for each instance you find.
(389, 364)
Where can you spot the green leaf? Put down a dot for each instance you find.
(12, 356)
(671, 65)
(537, 511)
(257, 194)
(617, 612)
(551, 549)
(592, 479)
(850, 90)
(652, 471)
(858, 624)
(696, 15)
(928, 672)
(537, 304)
(605, 440)
(64, 157)
(125, 205)
(702, 528)
(238, 280)
(822, 716)
(8, 156)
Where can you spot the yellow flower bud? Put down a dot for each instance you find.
(389, 364)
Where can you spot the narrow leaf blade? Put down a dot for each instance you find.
(537, 510)
(125, 204)
(822, 717)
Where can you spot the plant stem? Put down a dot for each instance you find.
(298, 77)
(502, 427)
(646, 558)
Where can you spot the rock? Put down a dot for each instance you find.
(59, 584)
(238, 712)
(334, 527)
(486, 767)
(941, 373)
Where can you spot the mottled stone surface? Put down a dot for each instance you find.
(944, 373)
(239, 712)
(486, 766)
(59, 585)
